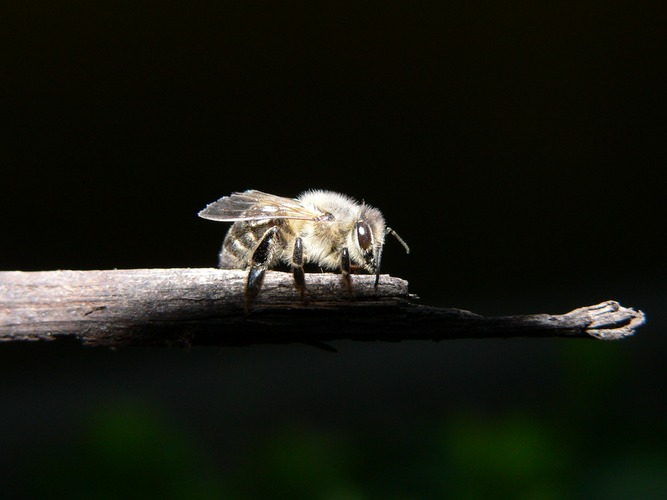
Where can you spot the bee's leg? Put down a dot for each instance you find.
(261, 258)
(345, 269)
(297, 268)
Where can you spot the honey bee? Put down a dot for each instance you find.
(328, 229)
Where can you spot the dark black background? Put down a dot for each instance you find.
(518, 147)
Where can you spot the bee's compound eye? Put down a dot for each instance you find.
(364, 236)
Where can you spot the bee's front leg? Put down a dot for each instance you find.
(297, 268)
(345, 269)
(261, 258)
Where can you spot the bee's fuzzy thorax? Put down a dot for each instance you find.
(347, 212)
(338, 204)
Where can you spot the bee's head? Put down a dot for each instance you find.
(368, 237)
(369, 233)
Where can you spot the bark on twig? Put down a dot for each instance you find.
(205, 307)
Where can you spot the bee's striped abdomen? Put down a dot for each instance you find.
(239, 245)
(242, 240)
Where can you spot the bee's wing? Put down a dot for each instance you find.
(256, 205)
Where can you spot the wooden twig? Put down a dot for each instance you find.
(205, 307)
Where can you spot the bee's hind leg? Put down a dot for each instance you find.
(261, 258)
(297, 269)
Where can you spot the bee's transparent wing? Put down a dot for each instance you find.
(256, 205)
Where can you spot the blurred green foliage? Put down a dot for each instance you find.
(573, 439)
(127, 450)
(131, 450)
(515, 454)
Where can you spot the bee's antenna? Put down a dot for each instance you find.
(377, 269)
(400, 240)
(388, 230)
